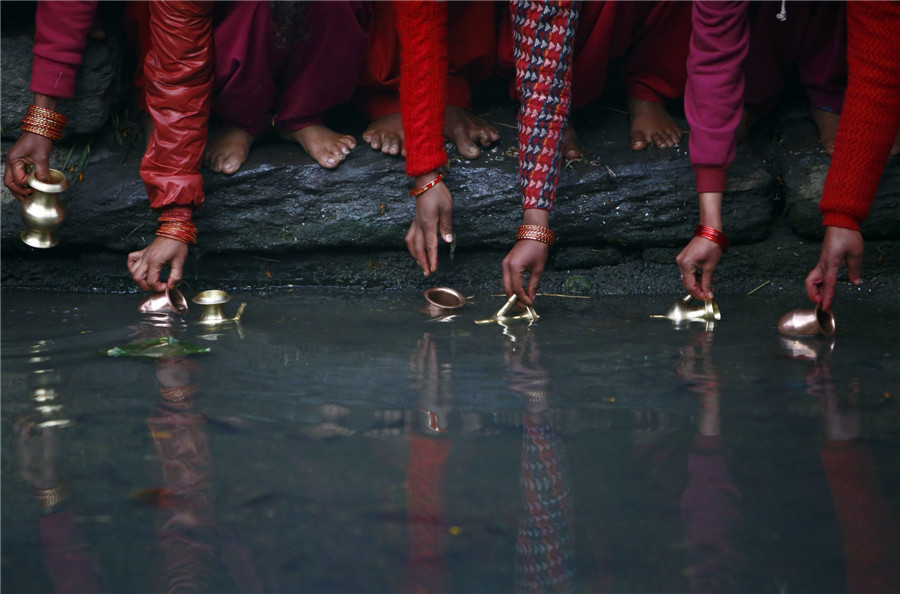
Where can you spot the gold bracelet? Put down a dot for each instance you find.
(52, 496)
(416, 191)
(537, 233)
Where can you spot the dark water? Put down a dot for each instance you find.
(346, 442)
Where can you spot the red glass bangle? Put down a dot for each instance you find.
(713, 235)
(416, 191)
(537, 233)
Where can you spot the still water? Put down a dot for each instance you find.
(348, 442)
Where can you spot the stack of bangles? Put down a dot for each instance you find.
(714, 235)
(177, 229)
(416, 191)
(44, 122)
(537, 233)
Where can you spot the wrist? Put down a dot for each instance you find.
(425, 182)
(536, 216)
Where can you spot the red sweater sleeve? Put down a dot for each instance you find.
(422, 28)
(178, 71)
(544, 37)
(713, 96)
(60, 34)
(870, 116)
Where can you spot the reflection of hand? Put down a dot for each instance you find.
(30, 149)
(146, 264)
(37, 454)
(699, 255)
(697, 369)
(434, 208)
(841, 246)
(433, 381)
(839, 424)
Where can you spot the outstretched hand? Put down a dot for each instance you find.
(841, 246)
(146, 264)
(30, 149)
(699, 258)
(527, 255)
(434, 208)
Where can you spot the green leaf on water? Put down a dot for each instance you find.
(164, 347)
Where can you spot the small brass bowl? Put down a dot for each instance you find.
(445, 298)
(171, 300)
(807, 322)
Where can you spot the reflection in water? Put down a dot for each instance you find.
(545, 542)
(785, 468)
(711, 502)
(429, 446)
(868, 523)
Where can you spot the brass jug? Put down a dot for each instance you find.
(807, 322)
(42, 212)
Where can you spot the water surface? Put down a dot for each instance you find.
(348, 442)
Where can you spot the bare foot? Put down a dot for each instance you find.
(651, 124)
(827, 122)
(571, 146)
(386, 134)
(227, 150)
(323, 144)
(465, 129)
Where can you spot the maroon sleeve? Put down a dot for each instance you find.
(60, 34)
(870, 116)
(178, 71)
(713, 96)
(422, 28)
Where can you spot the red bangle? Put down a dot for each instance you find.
(416, 191)
(714, 235)
(179, 230)
(537, 233)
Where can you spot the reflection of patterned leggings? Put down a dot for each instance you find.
(544, 555)
(543, 34)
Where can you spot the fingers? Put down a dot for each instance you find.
(512, 282)
(415, 243)
(534, 280)
(431, 248)
(445, 224)
(813, 282)
(854, 267)
(175, 271)
(707, 282)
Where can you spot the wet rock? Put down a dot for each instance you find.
(621, 218)
(805, 166)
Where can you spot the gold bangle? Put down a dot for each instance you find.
(416, 191)
(537, 233)
(47, 498)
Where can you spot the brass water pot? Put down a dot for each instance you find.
(213, 302)
(171, 300)
(807, 322)
(42, 211)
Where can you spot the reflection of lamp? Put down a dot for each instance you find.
(42, 211)
(44, 396)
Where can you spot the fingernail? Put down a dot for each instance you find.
(448, 238)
